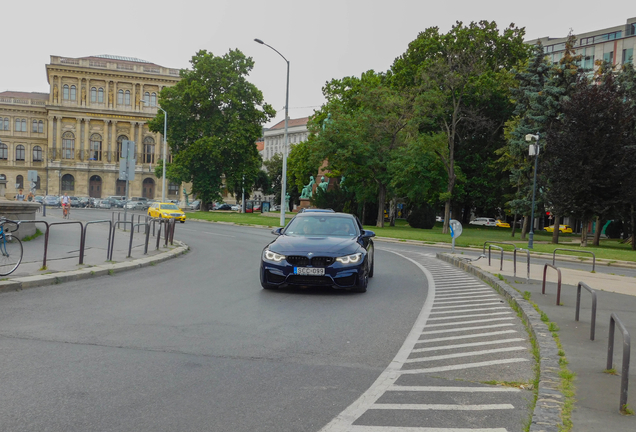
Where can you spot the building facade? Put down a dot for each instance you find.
(73, 135)
(274, 137)
(614, 45)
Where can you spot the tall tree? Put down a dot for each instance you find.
(214, 118)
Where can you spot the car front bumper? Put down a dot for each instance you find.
(339, 276)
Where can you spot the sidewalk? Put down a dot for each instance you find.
(62, 258)
(597, 393)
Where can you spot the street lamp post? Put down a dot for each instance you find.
(533, 150)
(165, 149)
(283, 191)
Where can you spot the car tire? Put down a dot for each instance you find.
(363, 282)
(182, 221)
(372, 264)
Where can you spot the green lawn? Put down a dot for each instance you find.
(472, 236)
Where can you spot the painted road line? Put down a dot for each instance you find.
(470, 310)
(459, 285)
(464, 354)
(449, 338)
(361, 428)
(469, 322)
(470, 316)
(463, 296)
(467, 328)
(442, 407)
(462, 291)
(473, 305)
(498, 389)
(463, 366)
(474, 299)
(467, 345)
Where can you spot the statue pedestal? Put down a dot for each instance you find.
(20, 210)
(304, 203)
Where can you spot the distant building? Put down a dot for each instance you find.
(275, 136)
(73, 135)
(614, 45)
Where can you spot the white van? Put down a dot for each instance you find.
(484, 222)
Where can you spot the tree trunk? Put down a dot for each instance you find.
(447, 207)
(555, 233)
(597, 233)
(393, 211)
(584, 233)
(514, 226)
(633, 237)
(381, 202)
(524, 230)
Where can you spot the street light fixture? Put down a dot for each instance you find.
(165, 149)
(533, 151)
(283, 191)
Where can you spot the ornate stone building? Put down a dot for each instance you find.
(72, 136)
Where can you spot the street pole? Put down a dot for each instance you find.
(529, 137)
(283, 191)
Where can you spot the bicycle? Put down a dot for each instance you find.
(10, 247)
(66, 211)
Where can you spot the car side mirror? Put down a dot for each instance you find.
(277, 231)
(367, 234)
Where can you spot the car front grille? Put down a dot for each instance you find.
(309, 280)
(298, 261)
(322, 261)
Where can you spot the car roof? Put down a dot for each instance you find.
(310, 210)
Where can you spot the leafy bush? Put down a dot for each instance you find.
(422, 217)
(614, 229)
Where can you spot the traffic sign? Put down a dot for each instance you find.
(127, 161)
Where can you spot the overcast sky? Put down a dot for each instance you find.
(322, 39)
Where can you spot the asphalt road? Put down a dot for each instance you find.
(195, 344)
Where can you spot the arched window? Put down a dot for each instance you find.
(94, 94)
(68, 182)
(41, 126)
(19, 182)
(37, 154)
(100, 95)
(68, 145)
(19, 152)
(153, 99)
(73, 93)
(120, 139)
(120, 97)
(147, 97)
(149, 150)
(24, 127)
(65, 92)
(18, 125)
(4, 151)
(127, 99)
(95, 153)
(34, 126)
(6, 123)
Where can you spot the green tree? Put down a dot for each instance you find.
(214, 117)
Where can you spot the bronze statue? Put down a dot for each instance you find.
(307, 191)
(323, 184)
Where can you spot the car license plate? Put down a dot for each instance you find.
(309, 271)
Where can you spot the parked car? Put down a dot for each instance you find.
(136, 205)
(52, 201)
(502, 224)
(224, 207)
(483, 222)
(75, 202)
(236, 207)
(439, 219)
(103, 204)
(195, 205)
(38, 198)
(562, 229)
(142, 200)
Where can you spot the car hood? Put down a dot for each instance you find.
(329, 246)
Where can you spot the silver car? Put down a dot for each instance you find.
(103, 204)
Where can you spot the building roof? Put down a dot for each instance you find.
(25, 95)
(291, 123)
(114, 57)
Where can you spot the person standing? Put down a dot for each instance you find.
(20, 195)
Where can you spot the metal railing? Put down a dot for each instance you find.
(626, 352)
(83, 245)
(514, 255)
(514, 260)
(48, 230)
(545, 269)
(575, 250)
(502, 251)
(578, 306)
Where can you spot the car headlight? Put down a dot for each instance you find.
(273, 256)
(350, 259)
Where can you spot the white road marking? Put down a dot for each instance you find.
(464, 354)
(470, 310)
(469, 322)
(464, 296)
(467, 328)
(454, 389)
(479, 304)
(469, 316)
(475, 298)
(467, 345)
(362, 428)
(467, 336)
(442, 407)
(463, 366)
(462, 292)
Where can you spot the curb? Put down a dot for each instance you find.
(547, 411)
(25, 282)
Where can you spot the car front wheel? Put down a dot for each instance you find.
(363, 282)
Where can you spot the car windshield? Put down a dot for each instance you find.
(169, 207)
(321, 226)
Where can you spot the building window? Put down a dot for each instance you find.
(6, 123)
(153, 99)
(120, 97)
(24, 126)
(41, 126)
(19, 152)
(149, 150)
(173, 189)
(37, 154)
(93, 94)
(65, 92)
(68, 182)
(34, 126)
(100, 95)
(18, 125)
(4, 151)
(19, 182)
(95, 148)
(68, 145)
(609, 57)
(628, 56)
(127, 101)
(147, 97)
(120, 139)
(73, 93)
